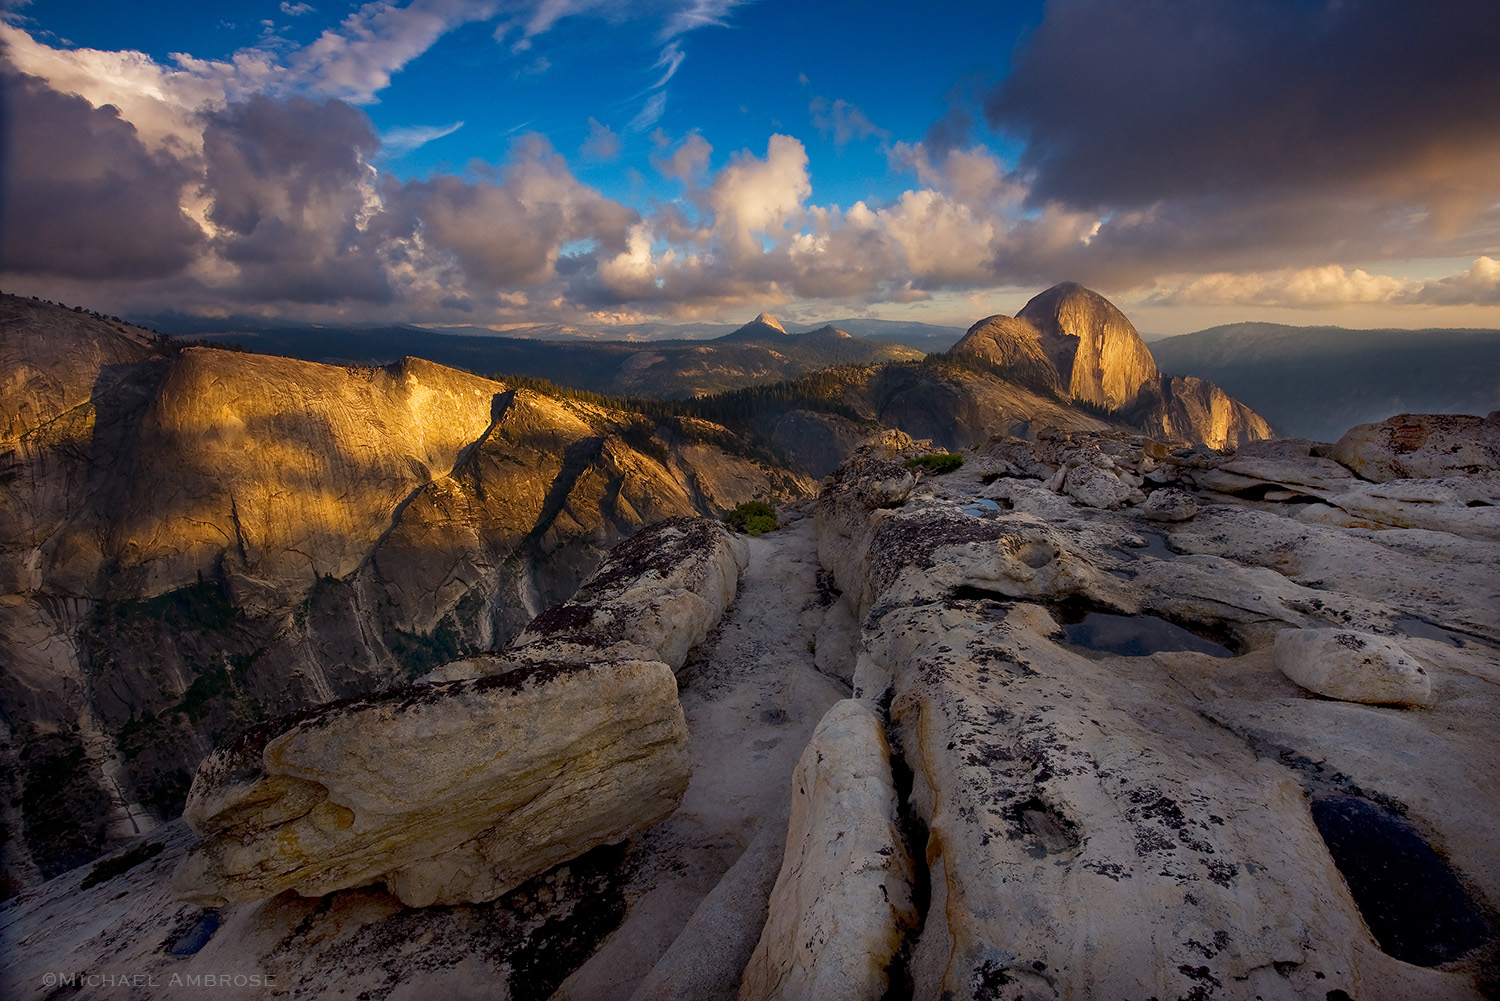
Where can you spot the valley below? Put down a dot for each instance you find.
(1057, 677)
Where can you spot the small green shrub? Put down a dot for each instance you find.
(937, 464)
(752, 518)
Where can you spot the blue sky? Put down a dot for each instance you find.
(510, 161)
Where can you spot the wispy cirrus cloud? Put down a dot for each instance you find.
(407, 138)
(843, 122)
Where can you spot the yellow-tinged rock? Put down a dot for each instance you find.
(446, 793)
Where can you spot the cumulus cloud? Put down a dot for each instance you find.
(1329, 285)
(688, 162)
(755, 197)
(292, 194)
(255, 179)
(82, 196)
(602, 144)
(1478, 286)
(163, 103)
(508, 232)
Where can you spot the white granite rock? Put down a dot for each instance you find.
(1352, 666)
(843, 900)
(1095, 487)
(1421, 445)
(1169, 504)
(664, 589)
(446, 793)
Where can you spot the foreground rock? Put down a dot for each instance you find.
(1421, 445)
(460, 789)
(664, 589)
(448, 793)
(1354, 667)
(843, 901)
(1117, 789)
(673, 912)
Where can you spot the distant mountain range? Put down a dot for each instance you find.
(761, 351)
(1313, 382)
(1317, 382)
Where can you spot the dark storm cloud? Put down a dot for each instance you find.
(290, 186)
(82, 197)
(1234, 107)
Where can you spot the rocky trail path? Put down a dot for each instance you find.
(752, 698)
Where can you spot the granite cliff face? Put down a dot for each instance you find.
(1097, 353)
(1073, 342)
(192, 540)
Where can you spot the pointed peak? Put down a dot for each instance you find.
(770, 321)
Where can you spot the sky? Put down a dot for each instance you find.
(597, 162)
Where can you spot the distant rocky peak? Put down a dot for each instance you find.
(764, 327)
(767, 320)
(1099, 356)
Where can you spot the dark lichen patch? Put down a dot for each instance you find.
(116, 865)
(1210, 949)
(569, 617)
(1413, 904)
(1110, 870)
(658, 549)
(900, 543)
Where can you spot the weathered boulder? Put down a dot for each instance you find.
(1095, 487)
(446, 793)
(1352, 666)
(664, 589)
(843, 899)
(1421, 445)
(1112, 819)
(1169, 504)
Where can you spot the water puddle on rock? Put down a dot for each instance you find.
(191, 938)
(981, 506)
(1156, 545)
(1134, 635)
(1422, 629)
(1414, 905)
